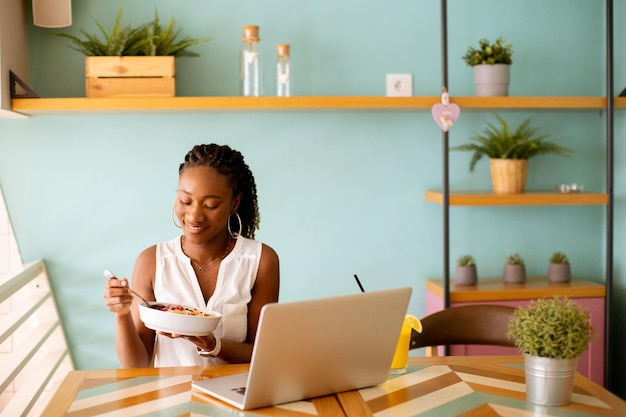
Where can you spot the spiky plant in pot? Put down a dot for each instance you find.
(465, 260)
(514, 259)
(559, 258)
(559, 270)
(148, 39)
(514, 269)
(465, 273)
(502, 142)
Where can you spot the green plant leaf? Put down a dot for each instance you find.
(488, 54)
(148, 39)
(552, 328)
(499, 141)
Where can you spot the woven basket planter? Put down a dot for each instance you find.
(508, 176)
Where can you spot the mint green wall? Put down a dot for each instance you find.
(340, 192)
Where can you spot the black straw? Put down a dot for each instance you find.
(359, 282)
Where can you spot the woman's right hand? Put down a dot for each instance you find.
(117, 297)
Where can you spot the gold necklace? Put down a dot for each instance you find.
(202, 268)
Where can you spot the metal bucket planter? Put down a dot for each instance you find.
(549, 382)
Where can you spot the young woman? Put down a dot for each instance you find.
(215, 264)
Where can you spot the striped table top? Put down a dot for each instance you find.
(434, 386)
(471, 386)
(163, 392)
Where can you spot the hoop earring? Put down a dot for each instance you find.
(174, 219)
(236, 234)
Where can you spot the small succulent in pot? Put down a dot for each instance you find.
(465, 260)
(514, 259)
(559, 258)
(465, 273)
(514, 269)
(559, 270)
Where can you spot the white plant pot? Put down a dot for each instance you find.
(492, 80)
(549, 382)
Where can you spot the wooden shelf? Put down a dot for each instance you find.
(33, 106)
(492, 289)
(533, 198)
(67, 105)
(512, 102)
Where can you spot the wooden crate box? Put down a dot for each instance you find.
(130, 76)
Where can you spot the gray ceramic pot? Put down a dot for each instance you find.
(514, 274)
(559, 273)
(465, 275)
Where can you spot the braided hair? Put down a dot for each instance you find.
(230, 163)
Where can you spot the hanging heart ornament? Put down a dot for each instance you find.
(444, 113)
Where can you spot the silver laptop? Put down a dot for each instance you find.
(311, 348)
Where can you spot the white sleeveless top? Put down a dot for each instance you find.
(176, 282)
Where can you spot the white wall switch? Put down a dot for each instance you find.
(399, 85)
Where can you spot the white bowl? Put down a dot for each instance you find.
(170, 322)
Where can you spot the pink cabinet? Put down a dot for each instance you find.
(493, 291)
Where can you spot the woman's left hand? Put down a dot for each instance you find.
(205, 343)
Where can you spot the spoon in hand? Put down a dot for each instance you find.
(110, 275)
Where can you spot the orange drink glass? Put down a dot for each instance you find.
(401, 356)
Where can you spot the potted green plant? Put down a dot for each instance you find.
(508, 151)
(552, 333)
(132, 60)
(465, 272)
(559, 270)
(491, 63)
(514, 269)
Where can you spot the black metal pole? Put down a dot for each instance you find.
(446, 191)
(608, 372)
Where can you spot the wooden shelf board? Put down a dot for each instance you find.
(64, 105)
(514, 102)
(494, 289)
(531, 198)
(620, 102)
(33, 106)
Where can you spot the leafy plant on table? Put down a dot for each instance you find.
(551, 328)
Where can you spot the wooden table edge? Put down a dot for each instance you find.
(60, 402)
